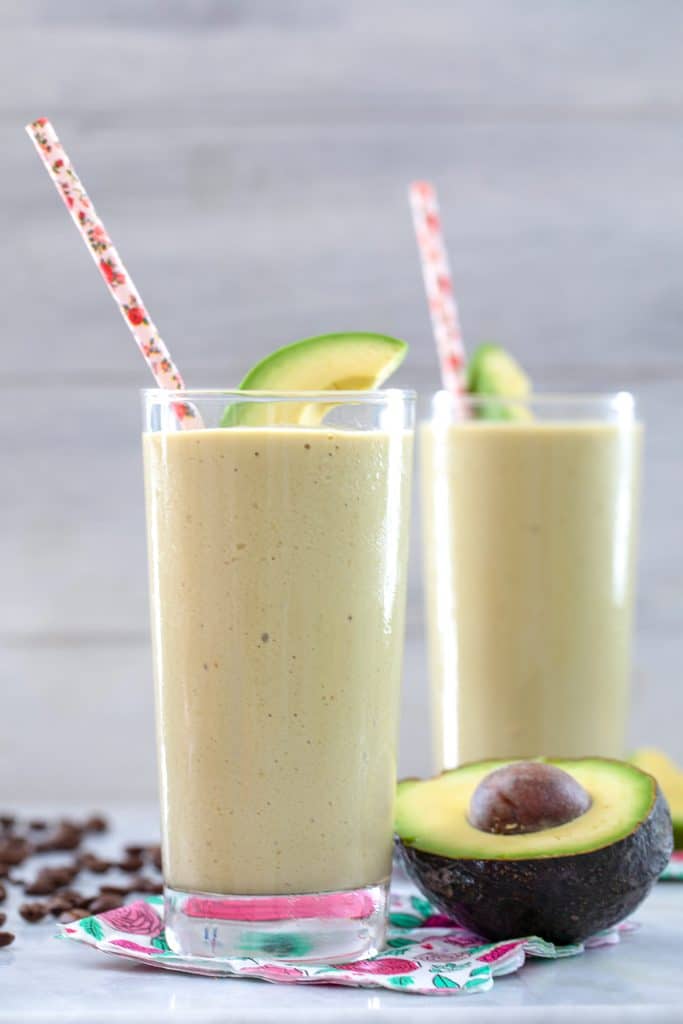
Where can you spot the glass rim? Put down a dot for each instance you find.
(366, 397)
(542, 397)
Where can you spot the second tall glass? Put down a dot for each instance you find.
(277, 570)
(530, 513)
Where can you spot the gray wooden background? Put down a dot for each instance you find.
(251, 159)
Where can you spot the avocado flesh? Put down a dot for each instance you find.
(560, 884)
(432, 815)
(670, 778)
(331, 362)
(492, 372)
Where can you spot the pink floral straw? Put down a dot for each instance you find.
(439, 286)
(117, 278)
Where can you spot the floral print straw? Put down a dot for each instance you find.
(117, 278)
(438, 286)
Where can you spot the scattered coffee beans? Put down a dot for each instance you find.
(21, 839)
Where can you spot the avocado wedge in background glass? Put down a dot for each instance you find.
(492, 372)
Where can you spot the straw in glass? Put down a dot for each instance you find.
(439, 286)
(116, 277)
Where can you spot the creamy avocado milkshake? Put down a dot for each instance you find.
(277, 568)
(530, 533)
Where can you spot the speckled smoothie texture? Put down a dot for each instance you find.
(277, 574)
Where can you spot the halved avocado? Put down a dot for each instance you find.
(351, 361)
(493, 372)
(563, 882)
(670, 778)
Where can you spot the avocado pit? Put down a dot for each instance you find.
(526, 796)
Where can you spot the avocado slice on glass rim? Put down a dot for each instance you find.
(349, 361)
(492, 372)
(468, 839)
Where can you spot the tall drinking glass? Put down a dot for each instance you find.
(530, 521)
(277, 556)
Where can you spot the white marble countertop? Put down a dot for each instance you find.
(43, 979)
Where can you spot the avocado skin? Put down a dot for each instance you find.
(561, 899)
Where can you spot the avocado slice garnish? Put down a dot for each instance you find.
(349, 361)
(563, 882)
(492, 372)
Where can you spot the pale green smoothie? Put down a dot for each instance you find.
(277, 567)
(530, 536)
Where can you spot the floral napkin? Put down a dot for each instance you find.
(426, 954)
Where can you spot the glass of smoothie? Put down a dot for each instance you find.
(530, 512)
(277, 533)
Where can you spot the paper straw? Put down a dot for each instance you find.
(439, 286)
(117, 278)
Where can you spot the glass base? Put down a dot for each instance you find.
(329, 927)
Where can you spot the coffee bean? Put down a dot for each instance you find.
(102, 903)
(33, 912)
(64, 873)
(130, 863)
(3, 892)
(6, 939)
(4, 870)
(135, 851)
(57, 905)
(7, 821)
(72, 894)
(67, 837)
(70, 825)
(91, 862)
(68, 899)
(3, 918)
(40, 886)
(117, 890)
(96, 823)
(73, 915)
(154, 854)
(38, 824)
(142, 884)
(14, 850)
